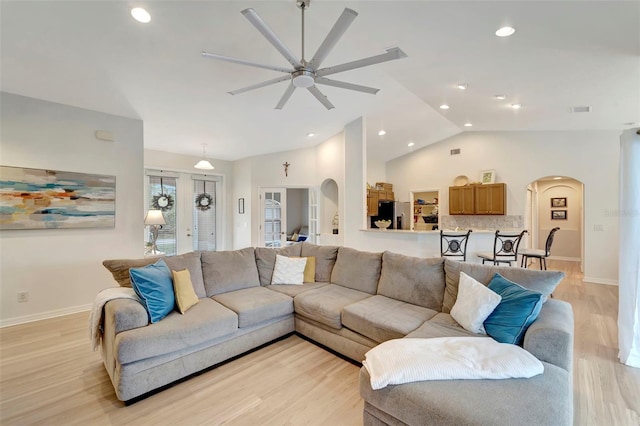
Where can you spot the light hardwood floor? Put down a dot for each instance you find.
(49, 376)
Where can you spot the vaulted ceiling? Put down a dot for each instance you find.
(92, 54)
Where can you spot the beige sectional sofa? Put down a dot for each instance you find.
(358, 300)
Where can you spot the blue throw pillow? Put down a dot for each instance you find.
(154, 286)
(518, 309)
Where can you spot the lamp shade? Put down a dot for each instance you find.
(204, 165)
(154, 217)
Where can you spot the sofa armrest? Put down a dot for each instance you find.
(550, 337)
(124, 314)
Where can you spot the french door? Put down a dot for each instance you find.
(273, 217)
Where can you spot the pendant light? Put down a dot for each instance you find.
(204, 164)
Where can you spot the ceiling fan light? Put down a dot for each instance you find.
(140, 15)
(303, 79)
(204, 165)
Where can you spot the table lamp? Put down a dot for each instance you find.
(154, 219)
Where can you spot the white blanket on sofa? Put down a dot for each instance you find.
(410, 360)
(95, 317)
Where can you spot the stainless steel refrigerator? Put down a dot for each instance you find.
(399, 213)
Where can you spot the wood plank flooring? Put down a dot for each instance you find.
(49, 376)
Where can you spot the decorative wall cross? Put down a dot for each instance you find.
(286, 168)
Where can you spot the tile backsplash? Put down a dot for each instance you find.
(480, 222)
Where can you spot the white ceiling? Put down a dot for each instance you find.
(92, 54)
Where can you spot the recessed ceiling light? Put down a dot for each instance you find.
(382, 133)
(140, 15)
(311, 134)
(410, 144)
(557, 178)
(468, 124)
(505, 31)
(516, 106)
(501, 97)
(444, 106)
(462, 86)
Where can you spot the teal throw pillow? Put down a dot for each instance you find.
(517, 310)
(154, 286)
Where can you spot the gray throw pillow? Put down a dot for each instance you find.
(325, 259)
(190, 262)
(358, 270)
(225, 271)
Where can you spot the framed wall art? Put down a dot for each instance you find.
(241, 205)
(559, 202)
(53, 199)
(558, 215)
(488, 176)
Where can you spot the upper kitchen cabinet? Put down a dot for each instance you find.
(478, 199)
(461, 200)
(490, 198)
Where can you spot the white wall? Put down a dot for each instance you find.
(523, 157)
(62, 268)
(160, 160)
(241, 184)
(567, 241)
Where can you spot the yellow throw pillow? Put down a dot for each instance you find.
(310, 270)
(183, 288)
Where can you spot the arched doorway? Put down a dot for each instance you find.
(329, 217)
(557, 201)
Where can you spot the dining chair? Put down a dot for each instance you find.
(541, 255)
(454, 244)
(505, 248)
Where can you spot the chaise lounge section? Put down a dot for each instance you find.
(356, 301)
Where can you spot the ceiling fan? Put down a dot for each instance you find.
(306, 74)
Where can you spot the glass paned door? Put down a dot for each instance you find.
(314, 222)
(204, 215)
(162, 196)
(273, 217)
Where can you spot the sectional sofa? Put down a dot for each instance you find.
(357, 300)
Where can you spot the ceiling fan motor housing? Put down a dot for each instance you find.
(303, 78)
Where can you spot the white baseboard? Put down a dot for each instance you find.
(568, 259)
(595, 280)
(44, 315)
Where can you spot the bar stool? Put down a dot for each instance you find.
(541, 255)
(505, 248)
(454, 244)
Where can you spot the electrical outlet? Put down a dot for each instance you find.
(23, 296)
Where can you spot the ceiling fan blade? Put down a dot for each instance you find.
(343, 85)
(243, 62)
(339, 28)
(321, 97)
(271, 37)
(285, 97)
(393, 53)
(259, 85)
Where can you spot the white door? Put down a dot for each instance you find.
(273, 217)
(314, 220)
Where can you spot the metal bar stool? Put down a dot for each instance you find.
(505, 248)
(541, 255)
(454, 244)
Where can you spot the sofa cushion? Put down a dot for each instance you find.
(381, 318)
(294, 290)
(186, 297)
(190, 262)
(441, 325)
(119, 268)
(154, 286)
(325, 304)
(518, 308)
(413, 280)
(206, 321)
(325, 259)
(266, 259)
(545, 399)
(474, 304)
(358, 270)
(256, 305)
(289, 270)
(543, 282)
(225, 271)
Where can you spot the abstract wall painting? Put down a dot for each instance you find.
(52, 199)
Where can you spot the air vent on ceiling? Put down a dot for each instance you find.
(455, 151)
(580, 109)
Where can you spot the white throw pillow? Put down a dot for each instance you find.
(289, 270)
(474, 304)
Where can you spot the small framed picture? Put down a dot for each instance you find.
(559, 202)
(241, 205)
(558, 215)
(488, 176)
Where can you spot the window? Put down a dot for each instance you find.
(166, 186)
(204, 214)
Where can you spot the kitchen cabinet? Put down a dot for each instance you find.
(490, 198)
(478, 199)
(462, 199)
(374, 196)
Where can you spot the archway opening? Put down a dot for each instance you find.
(330, 206)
